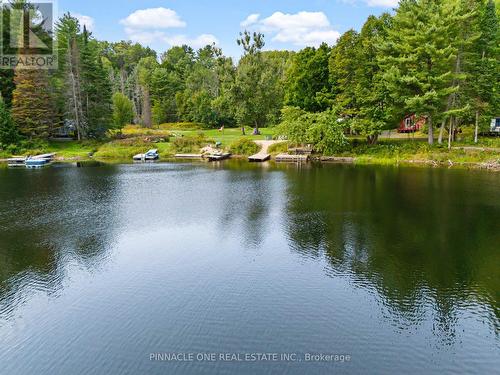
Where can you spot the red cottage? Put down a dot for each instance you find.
(411, 124)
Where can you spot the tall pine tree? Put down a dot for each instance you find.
(32, 103)
(96, 88)
(418, 59)
(484, 66)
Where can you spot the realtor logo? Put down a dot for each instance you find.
(26, 39)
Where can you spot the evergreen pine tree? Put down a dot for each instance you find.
(484, 67)
(96, 88)
(31, 103)
(419, 59)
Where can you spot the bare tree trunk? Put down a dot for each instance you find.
(372, 139)
(146, 113)
(476, 130)
(75, 88)
(122, 80)
(256, 128)
(75, 107)
(441, 131)
(450, 132)
(431, 130)
(451, 98)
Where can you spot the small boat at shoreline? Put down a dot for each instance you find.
(150, 155)
(31, 161)
(34, 162)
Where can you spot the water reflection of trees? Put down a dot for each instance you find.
(246, 202)
(415, 235)
(48, 219)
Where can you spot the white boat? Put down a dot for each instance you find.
(150, 155)
(39, 161)
(34, 162)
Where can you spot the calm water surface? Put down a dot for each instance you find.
(101, 266)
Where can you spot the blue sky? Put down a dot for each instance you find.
(287, 24)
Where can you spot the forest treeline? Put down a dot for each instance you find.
(438, 59)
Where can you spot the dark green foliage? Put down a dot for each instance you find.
(419, 58)
(307, 80)
(7, 85)
(96, 89)
(9, 134)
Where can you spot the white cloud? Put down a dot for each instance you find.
(198, 42)
(382, 3)
(374, 3)
(160, 38)
(153, 18)
(143, 36)
(147, 26)
(295, 21)
(300, 29)
(250, 20)
(85, 20)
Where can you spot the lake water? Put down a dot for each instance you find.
(395, 269)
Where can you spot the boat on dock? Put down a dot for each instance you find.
(37, 161)
(148, 156)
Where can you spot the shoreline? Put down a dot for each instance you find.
(320, 159)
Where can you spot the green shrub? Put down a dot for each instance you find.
(244, 146)
(278, 148)
(189, 144)
(322, 129)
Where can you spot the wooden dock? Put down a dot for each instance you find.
(188, 156)
(287, 158)
(336, 159)
(218, 157)
(259, 158)
(263, 154)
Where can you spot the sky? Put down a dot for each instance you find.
(161, 24)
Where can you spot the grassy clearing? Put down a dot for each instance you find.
(190, 144)
(228, 136)
(125, 149)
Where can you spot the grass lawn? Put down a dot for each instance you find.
(73, 149)
(227, 136)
